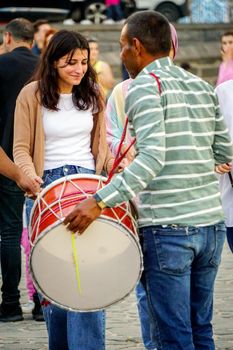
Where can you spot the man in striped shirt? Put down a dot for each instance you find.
(180, 139)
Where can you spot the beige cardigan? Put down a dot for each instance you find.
(29, 135)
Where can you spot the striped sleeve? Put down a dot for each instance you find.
(143, 107)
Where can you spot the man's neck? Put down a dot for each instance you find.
(16, 45)
(148, 59)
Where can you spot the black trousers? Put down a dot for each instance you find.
(11, 208)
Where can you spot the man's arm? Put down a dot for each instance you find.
(9, 169)
(143, 107)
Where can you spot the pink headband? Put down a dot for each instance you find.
(174, 39)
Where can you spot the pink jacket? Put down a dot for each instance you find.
(112, 2)
(225, 72)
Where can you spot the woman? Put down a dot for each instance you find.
(60, 130)
(102, 68)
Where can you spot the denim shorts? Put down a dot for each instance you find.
(54, 174)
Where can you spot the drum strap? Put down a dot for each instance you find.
(120, 156)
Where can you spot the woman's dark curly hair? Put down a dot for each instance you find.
(85, 95)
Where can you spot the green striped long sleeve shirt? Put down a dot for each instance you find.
(180, 137)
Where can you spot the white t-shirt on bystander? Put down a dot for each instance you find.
(225, 96)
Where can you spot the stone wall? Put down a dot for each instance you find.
(198, 45)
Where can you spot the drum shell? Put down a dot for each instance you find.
(116, 247)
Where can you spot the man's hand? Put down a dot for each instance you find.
(223, 168)
(82, 215)
(227, 55)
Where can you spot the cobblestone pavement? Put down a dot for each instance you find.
(122, 322)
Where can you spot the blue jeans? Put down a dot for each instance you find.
(11, 208)
(68, 330)
(114, 12)
(180, 267)
(144, 316)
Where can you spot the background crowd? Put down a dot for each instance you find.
(41, 53)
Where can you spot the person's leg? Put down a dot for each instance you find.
(86, 330)
(230, 238)
(28, 307)
(203, 276)
(11, 208)
(144, 317)
(56, 321)
(109, 12)
(117, 13)
(26, 245)
(37, 313)
(168, 256)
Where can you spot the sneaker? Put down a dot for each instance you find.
(13, 316)
(27, 308)
(122, 21)
(37, 314)
(86, 22)
(109, 21)
(69, 21)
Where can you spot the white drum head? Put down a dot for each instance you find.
(110, 265)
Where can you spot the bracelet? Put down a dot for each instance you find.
(99, 201)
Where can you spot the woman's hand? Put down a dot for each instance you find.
(130, 155)
(38, 182)
(27, 183)
(123, 164)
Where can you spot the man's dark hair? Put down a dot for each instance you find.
(151, 29)
(228, 33)
(39, 23)
(21, 29)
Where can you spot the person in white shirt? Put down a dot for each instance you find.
(225, 96)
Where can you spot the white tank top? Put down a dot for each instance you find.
(67, 135)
